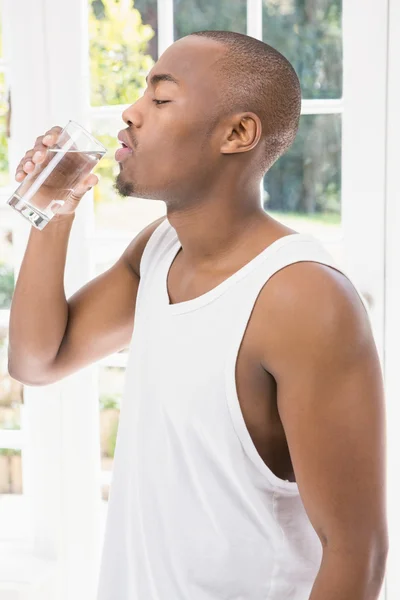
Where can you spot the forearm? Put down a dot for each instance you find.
(39, 309)
(348, 577)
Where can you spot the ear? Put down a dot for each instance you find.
(243, 133)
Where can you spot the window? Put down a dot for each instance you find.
(123, 48)
(198, 15)
(11, 391)
(303, 189)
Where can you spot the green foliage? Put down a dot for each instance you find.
(4, 178)
(107, 169)
(307, 179)
(112, 439)
(118, 60)
(309, 34)
(3, 132)
(6, 285)
(325, 218)
(109, 401)
(9, 452)
(198, 15)
(119, 63)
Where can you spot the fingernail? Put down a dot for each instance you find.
(47, 138)
(37, 155)
(29, 164)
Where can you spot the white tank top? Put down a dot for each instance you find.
(194, 512)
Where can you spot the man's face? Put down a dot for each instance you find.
(168, 126)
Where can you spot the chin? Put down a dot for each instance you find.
(123, 187)
(130, 188)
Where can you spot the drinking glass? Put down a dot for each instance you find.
(67, 163)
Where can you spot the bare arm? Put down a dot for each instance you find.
(39, 309)
(319, 347)
(50, 337)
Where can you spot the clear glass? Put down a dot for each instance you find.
(67, 163)
(192, 15)
(303, 188)
(309, 34)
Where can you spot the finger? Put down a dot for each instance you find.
(39, 141)
(92, 180)
(21, 172)
(38, 153)
(39, 156)
(84, 186)
(28, 165)
(48, 140)
(40, 149)
(51, 136)
(35, 156)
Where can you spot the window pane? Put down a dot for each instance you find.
(303, 188)
(309, 34)
(6, 268)
(123, 48)
(11, 391)
(198, 15)
(11, 398)
(111, 386)
(115, 215)
(1, 28)
(4, 175)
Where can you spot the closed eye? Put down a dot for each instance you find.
(158, 102)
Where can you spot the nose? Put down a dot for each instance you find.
(132, 115)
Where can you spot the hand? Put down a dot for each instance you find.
(36, 159)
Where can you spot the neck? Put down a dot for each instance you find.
(211, 230)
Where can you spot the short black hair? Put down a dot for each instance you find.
(257, 78)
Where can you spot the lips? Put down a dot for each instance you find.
(123, 138)
(126, 149)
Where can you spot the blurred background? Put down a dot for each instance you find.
(87, 60)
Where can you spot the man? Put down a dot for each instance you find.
(250, 458)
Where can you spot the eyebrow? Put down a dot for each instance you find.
(156, 78)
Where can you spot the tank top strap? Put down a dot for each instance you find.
(291, 249)
(159, 244)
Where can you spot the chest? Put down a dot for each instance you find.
(256, 388)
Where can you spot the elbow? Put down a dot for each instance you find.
(369, 558)
(24, 379)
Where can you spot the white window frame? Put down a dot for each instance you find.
(60, 438)
(392, 297)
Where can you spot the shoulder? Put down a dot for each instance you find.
(309, 309)
(133, 253)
